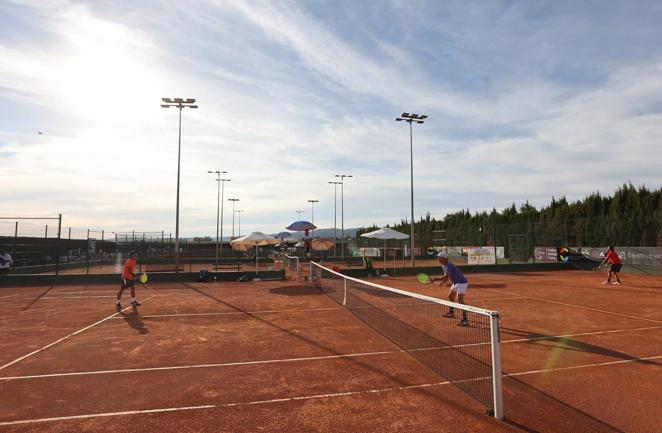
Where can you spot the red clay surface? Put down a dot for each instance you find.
(281, 356)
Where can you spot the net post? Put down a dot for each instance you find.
(344, 294)
(496, 367)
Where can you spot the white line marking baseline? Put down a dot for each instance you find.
(63, 338)
(310, 358)
(299, 398)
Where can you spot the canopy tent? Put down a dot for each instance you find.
(385, 233)
(257, 239)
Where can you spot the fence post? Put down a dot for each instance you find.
(565, 229)
(494, 238)
(46, 232)
(15, 237)
(611, 240)
(533, 243)
(57, 245)
(87, 254)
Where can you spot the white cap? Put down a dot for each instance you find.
(443, 254)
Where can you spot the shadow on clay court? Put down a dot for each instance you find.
(532, 410)
(329, 350)
(570, 344)
(524, 403)
(487, 286)
(296, 291)
(34, 301)
(134, 320)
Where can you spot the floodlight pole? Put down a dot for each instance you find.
(179, 103)
(411, 118)
(335, 213)
(233, 200)
(342, 213)
(312, 210)
(239, 212)
(299, 212)
(219, 181)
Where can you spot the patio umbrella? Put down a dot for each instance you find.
(299, 226)
(283, 235)
(385, 233)
(323, 244)
(256, 239)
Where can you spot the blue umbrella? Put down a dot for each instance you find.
(283, 235)
(299, 226)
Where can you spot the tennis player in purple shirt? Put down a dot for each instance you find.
(459, 285)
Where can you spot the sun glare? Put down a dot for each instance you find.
(106, 75)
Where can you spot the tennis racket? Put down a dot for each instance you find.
(423, 278)
(143, 278)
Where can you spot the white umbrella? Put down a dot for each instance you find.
(256, 239)
(385, 233)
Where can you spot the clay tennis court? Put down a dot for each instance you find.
(282, 356)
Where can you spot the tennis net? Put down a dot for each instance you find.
(466, 356)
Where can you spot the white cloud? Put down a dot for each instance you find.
(289, 98)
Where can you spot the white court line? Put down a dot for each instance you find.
(9, 296)
(214, 406)
(574, 367)
(495, 299)
(310, 358)
(80, 292)
(106, 414)
(230, 313)
(307, 397)
(580, 306)
(189, 367)
(64, 338)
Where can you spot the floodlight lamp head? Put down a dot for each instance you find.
(167, 100)
(399, 119)
(179, 100)
(190, 101)
(165, 106)
(405, 115)
(423, 116)
(192, 106)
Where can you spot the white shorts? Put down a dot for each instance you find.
(460, 288)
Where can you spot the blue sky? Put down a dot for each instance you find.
(526, 100)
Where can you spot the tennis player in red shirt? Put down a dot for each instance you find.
(128, 280)
(614, 266)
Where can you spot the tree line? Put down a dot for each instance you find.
(630, 217)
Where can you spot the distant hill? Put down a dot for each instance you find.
(325, 233)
